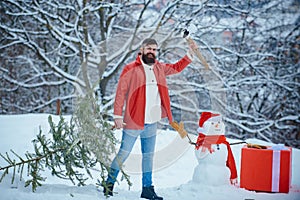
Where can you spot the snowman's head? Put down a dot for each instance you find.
(211, 124)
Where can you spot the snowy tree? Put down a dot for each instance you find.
(59, 49)
(253, 47)
(56, 49)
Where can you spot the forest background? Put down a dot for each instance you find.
(52, 51)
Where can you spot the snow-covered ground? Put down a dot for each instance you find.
(175, 162)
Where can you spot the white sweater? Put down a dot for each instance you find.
(153, 101)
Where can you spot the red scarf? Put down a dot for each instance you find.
(207, 140)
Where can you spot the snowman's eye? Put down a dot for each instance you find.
(212, 123)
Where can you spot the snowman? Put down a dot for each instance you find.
(216, 165)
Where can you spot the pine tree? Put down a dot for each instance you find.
(70, 150)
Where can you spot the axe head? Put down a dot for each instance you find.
(185, 33)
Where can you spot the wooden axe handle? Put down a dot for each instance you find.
(179, 129)
(182, 132)
(196, 50)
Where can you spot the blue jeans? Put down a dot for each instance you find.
(148, 138)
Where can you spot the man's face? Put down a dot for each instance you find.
(149, 53)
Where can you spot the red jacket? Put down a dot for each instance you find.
(132, 89)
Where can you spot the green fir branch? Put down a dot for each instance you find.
(84, 143)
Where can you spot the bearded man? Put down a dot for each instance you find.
(143, 89)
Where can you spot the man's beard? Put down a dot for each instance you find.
(148, 58)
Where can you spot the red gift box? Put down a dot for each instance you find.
(267, 170)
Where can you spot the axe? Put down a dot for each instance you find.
(196, 50)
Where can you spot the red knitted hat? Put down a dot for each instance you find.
(205, 116)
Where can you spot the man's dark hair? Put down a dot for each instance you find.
(149, 41)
